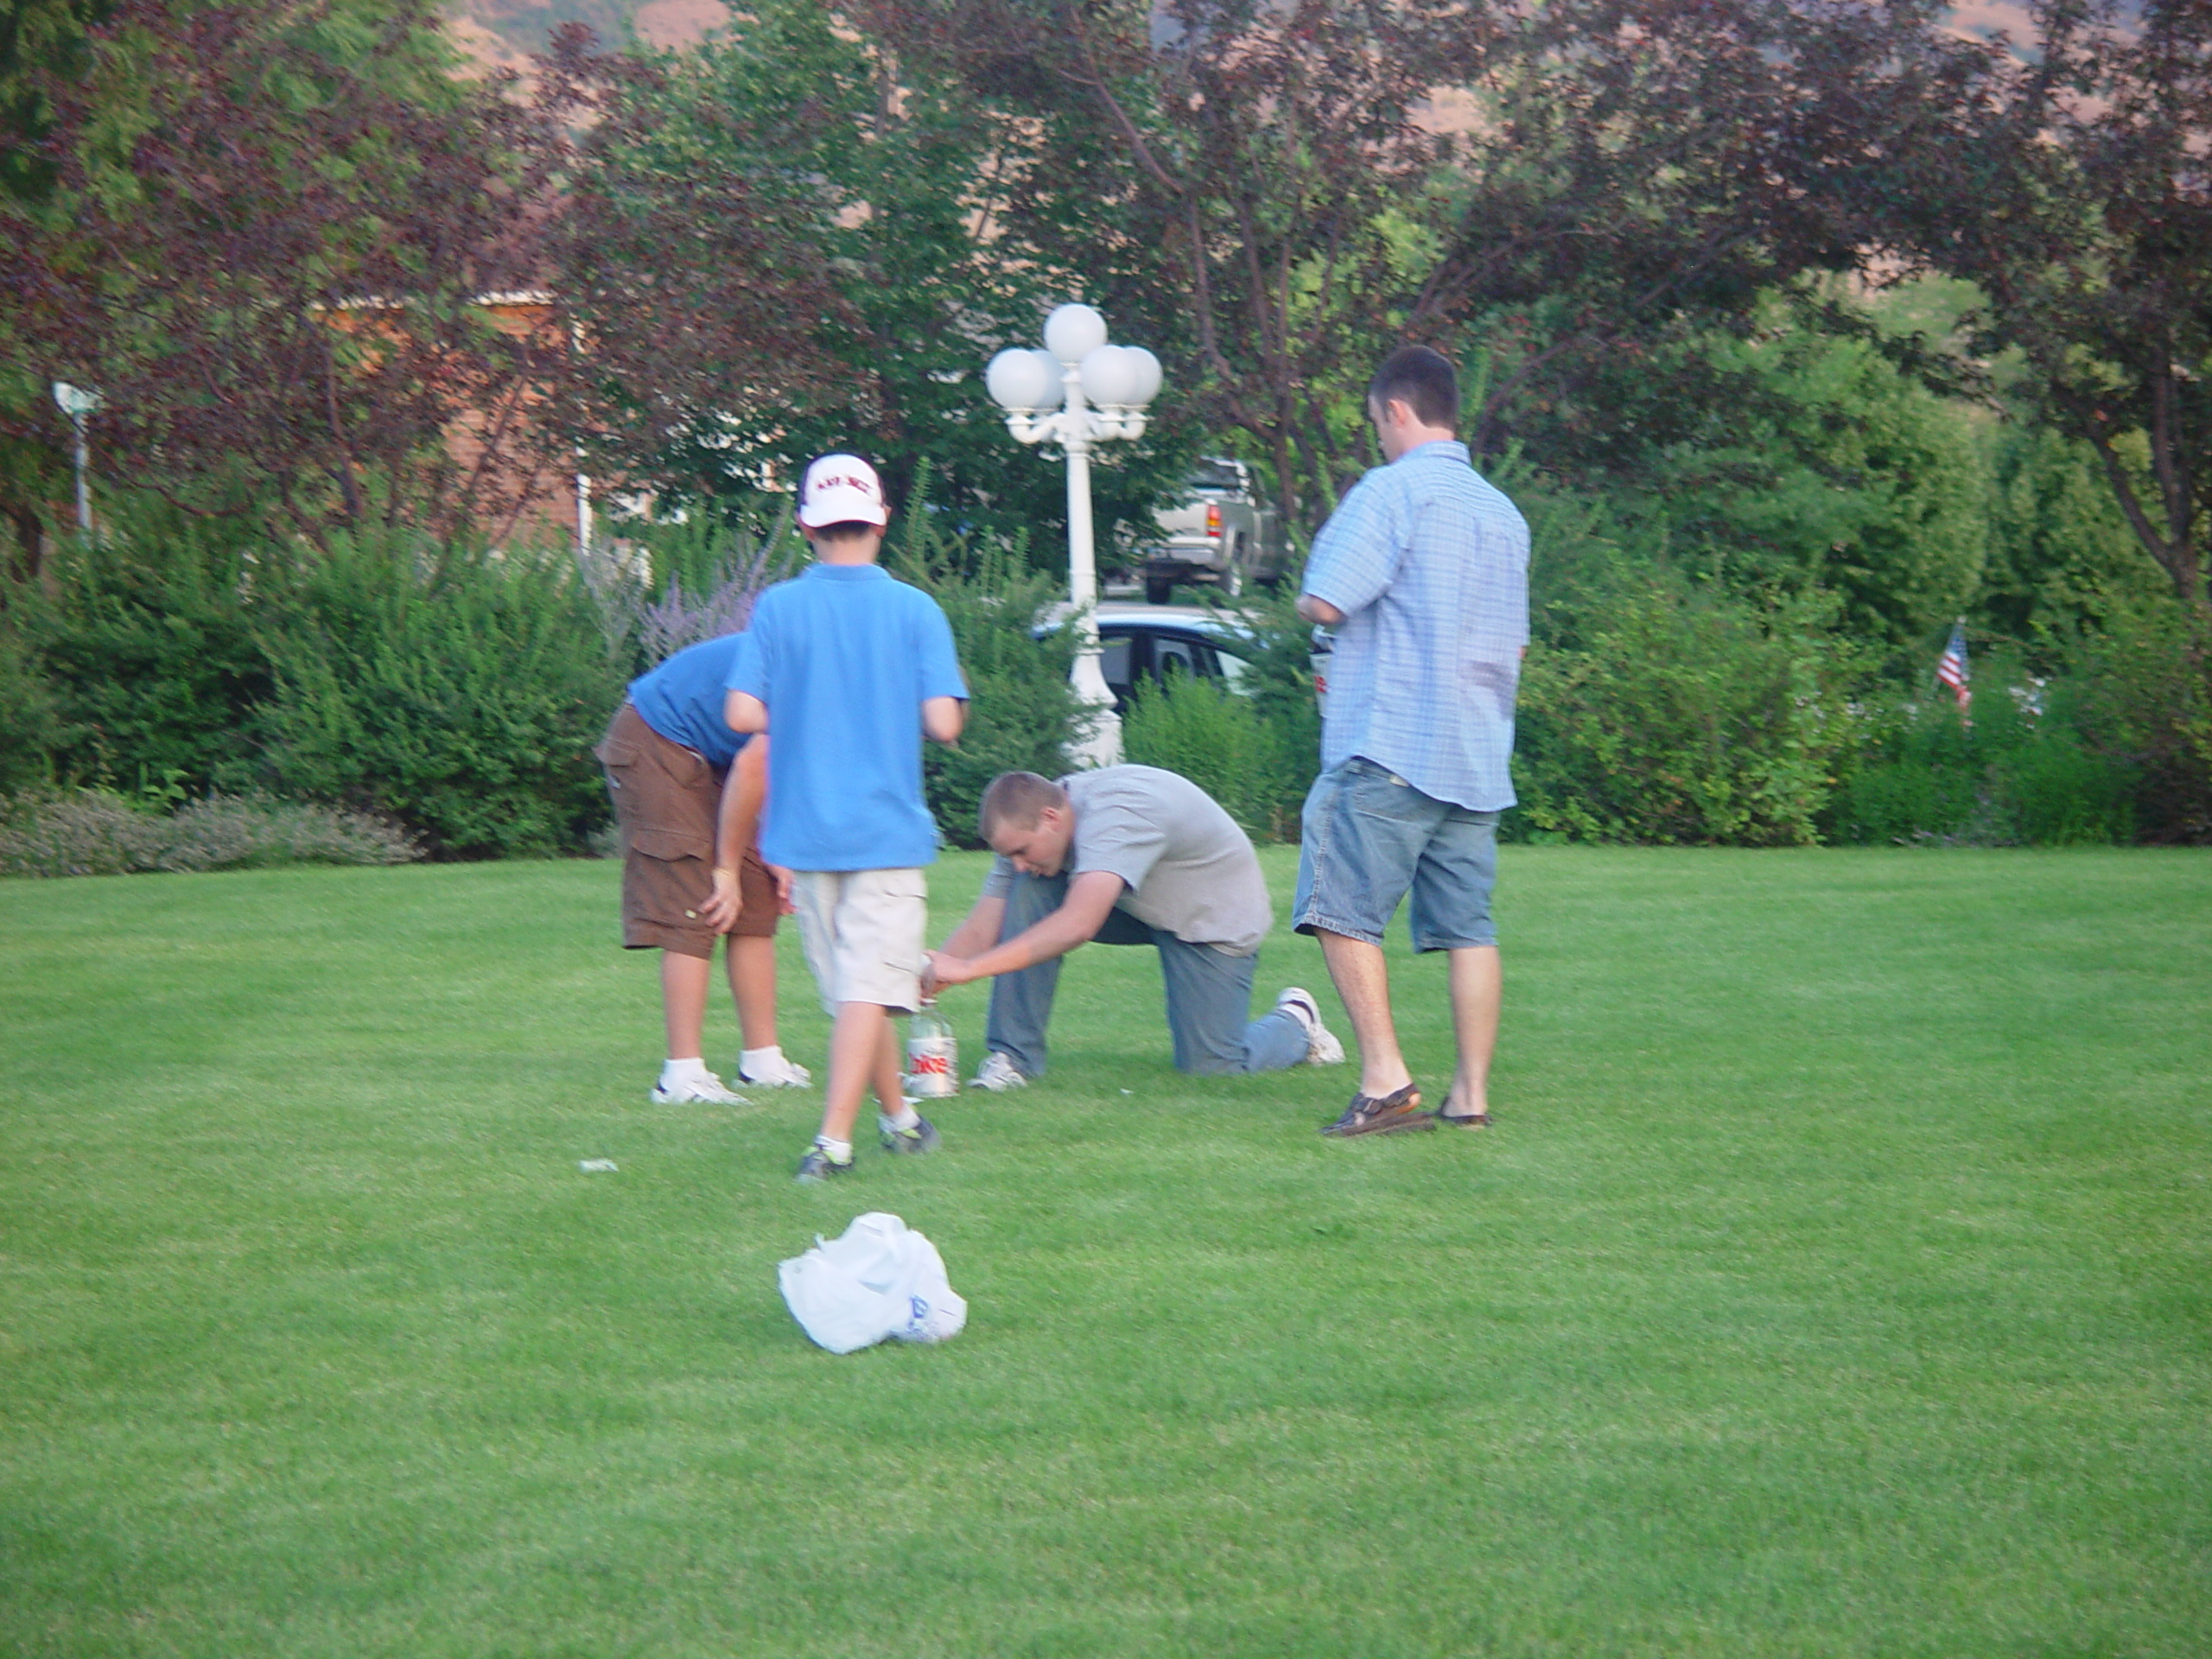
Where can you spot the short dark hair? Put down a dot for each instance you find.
(1016, 798)
(1424, 381)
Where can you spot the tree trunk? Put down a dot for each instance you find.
(30, 537)
(2177, 553)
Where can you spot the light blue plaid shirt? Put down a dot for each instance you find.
(1429, 564)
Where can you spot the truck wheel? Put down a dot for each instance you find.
(1157, 590)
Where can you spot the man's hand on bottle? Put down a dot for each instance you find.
(939, 970)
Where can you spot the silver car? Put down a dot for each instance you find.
(1221, 533)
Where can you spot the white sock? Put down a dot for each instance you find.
(841, 1152)
(906, 1119)
(759, 1062)
(691, 1071)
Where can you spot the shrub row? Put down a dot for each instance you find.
(1657, 707)
(2028, 762)
(98, 832)
(452, 688)
(457, 691)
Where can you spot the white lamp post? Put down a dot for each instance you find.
(78, 404)
(1044, 394)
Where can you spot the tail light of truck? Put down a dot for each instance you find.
(1213, 520)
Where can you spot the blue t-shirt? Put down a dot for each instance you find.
(682, 699)
(844, 658)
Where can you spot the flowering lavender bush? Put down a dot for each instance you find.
(96, 832)
(690, 584)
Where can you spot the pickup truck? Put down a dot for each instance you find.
(1219, 534)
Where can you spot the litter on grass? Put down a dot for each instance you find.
(877, 1278)
(596, 1166)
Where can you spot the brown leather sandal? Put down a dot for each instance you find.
(1392, 1114)
(1446, 1115)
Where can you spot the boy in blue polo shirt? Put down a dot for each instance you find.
(686, 795)
(850, 669)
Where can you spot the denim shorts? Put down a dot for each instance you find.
(1369, 836)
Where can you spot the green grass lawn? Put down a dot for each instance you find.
(1837, 1280)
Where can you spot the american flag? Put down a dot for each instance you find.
(1952, 669)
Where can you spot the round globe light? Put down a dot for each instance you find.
(1145, 369)
(1110, 376)
(1073, 332)
(1024, 380)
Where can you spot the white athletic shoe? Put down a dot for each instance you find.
(997, 1074)
(1322, 1047)
(789, 1075)
(703, 1091)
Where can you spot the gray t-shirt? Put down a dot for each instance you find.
(1185, 865)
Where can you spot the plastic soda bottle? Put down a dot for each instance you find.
(932, 1056)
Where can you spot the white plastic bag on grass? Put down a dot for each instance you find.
(877, 1278)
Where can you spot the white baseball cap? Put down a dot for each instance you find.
(841, 490)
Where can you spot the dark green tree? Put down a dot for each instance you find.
(1252, 180)
(1788, 460)
(2080, 204)
(783, 242)
(264, 234)
(1561, 188)
(42, 42)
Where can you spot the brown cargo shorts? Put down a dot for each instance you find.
(666, 800)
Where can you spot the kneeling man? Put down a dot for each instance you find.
(1124, 856)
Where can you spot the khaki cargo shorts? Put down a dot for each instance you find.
(863, 932)
(666, 801)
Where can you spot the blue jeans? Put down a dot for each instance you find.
(1208, 995)
(1368, 836)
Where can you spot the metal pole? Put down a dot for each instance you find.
(1102, 745)
(583, 480)
(1082, 562)
(84, 489)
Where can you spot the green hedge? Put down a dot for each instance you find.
(2016, 769)
(1216, 739)
(1681, 717)
(454, 688)
(30, 715)
(146, 644)
(2137, 692)
(457, 690)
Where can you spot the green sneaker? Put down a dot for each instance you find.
(819, 1166)
(921, 1138)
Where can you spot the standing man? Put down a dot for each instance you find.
(1124, 856)
(1423, 572)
